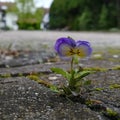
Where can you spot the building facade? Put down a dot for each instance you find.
(8, 20)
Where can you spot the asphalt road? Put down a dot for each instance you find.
(33, 39)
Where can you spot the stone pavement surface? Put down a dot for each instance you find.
(33, 39)
(22, 98)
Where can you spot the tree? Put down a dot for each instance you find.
(100, 14)
(61, 12)
(118, 12)
(29, 16)
(84, 20)
(25, 6)
(103, 19)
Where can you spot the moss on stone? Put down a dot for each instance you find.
(96, 69)
(116, 67)
(111, 112)
(5, 75)
(114, 86)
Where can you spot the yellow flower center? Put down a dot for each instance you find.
(76, 51)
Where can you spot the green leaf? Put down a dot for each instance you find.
(81, 75)
(62, 72)
(79, 83)
(66, 90)
(54, 88)
(87, 82)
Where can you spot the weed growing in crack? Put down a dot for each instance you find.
(70, 50)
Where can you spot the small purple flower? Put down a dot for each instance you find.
(67, 47)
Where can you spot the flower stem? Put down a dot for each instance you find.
(72, 64)
(72, 72)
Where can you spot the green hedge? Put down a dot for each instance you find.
(84, 14)
(28, 25)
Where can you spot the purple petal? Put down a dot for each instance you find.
(64, 50)
(81, 42)
(84, 48)
(64, 44)
(67, 47)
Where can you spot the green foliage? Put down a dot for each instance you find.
(30, 21)
(84, 21)
(12, 8)
(58, 16)
(28, 25)
(62, 72)
(25, 6)
(75, 80)
(103, 20)
(81, 74)
(54, 88)
(29, 17)
(84, 14)
(63, 13)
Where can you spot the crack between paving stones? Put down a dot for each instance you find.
(96, 107)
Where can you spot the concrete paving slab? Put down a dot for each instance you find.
(34, 39)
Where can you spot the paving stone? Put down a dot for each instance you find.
(23, 99)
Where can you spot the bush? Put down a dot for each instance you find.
(30, 21)
(103, 19)
(83, 14)
(84, 21)
(28, 24)
(63, 13)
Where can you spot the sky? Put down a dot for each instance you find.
(38, 3)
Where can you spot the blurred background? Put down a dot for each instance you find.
(74, 15)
